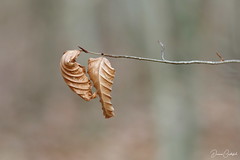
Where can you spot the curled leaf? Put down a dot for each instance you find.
(102, 75)
(75, 75)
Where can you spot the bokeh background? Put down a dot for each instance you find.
(162, 111)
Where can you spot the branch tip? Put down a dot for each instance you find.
(84, 50)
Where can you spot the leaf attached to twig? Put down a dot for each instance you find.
(102, 75)
(75, 75)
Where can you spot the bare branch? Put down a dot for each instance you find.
(222, 61)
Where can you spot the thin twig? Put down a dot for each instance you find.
(219, 55)
(162, 60)
(162, 49)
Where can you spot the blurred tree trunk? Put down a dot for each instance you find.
(42, 43)
(235, 31)
(174, 96)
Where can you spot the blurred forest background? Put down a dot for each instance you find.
(162, 111)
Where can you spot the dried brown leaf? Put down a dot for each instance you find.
(75, 75)
(102, 75)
